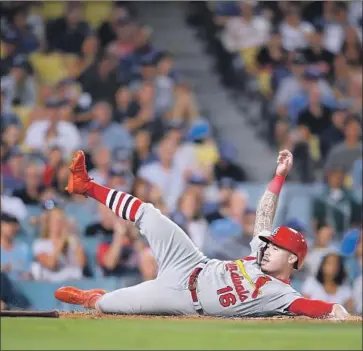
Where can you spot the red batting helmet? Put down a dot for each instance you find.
(291, 240)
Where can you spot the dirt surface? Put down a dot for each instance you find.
(95, 315)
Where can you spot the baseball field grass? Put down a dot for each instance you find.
(177, 334)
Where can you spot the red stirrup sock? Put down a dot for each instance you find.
(122, 204)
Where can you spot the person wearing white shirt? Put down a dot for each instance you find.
(247, 31)
(334, 30)
(158, 173)
(294, 32)
(329, 283)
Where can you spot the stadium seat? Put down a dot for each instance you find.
(50, 68)
(53, 9)
(300, 207)
(96, 12)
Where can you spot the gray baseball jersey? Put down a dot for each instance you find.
(225, 288)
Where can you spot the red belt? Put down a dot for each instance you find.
(192, 286)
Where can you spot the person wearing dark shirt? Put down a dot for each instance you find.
(9, 45)
(334, 134)
(67, 34)
(107, 31)
(126, 106)
(317, 55)
(317, 119)
(100, 80)
(27, 40)
(30, 194)
(273, 54)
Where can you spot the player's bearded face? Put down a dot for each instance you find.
(275, 259)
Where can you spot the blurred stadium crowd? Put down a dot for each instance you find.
(87, 76)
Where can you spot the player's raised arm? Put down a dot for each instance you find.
(266, 208)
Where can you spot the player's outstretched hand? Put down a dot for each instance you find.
(339, 312)
(284, 163)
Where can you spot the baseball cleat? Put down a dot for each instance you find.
(78, 179)
(74, 296)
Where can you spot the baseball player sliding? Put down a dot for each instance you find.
(188, 282)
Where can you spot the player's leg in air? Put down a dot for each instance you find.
(175, 254)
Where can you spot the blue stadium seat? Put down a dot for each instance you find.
(300, 207)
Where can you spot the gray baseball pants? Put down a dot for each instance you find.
(176, 256)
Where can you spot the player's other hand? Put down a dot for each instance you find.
(339, 312)
(284, 163)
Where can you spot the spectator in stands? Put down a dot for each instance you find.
(19, 85)
(238, 245)
(67, 34)
(15, 255)
(335, 205)
(323, 245)
(329, 284)
(117, 254)
(10, 296)
(126, 106)
(104, 227)
(352, 45)
(53, 132)
(334, 134)
(101, 159)
(120, 178)
(295, 86)
(159, 172)
(113, 135)
(58, 252)
(189, 216)
(226, 166)
(13, 172)
(295, 32)
(108, 29)
(60, 180)
(310, 85)
(316, 55)
(142, 151)
(271, 59)
(343, 155)
(101, 80)
(246, 33)
(9, 46)
(12, 205)
(87, 56)
(124, 44)
(121, 253)
(146, 113)
(30, 193)
(334, 27)
(317, 116)
(355, 93)
(11, 135)
(19, 23)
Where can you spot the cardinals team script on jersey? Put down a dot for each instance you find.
(241, 288)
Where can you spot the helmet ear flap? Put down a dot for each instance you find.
(260, 254)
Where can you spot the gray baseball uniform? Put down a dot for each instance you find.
(224, 288)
